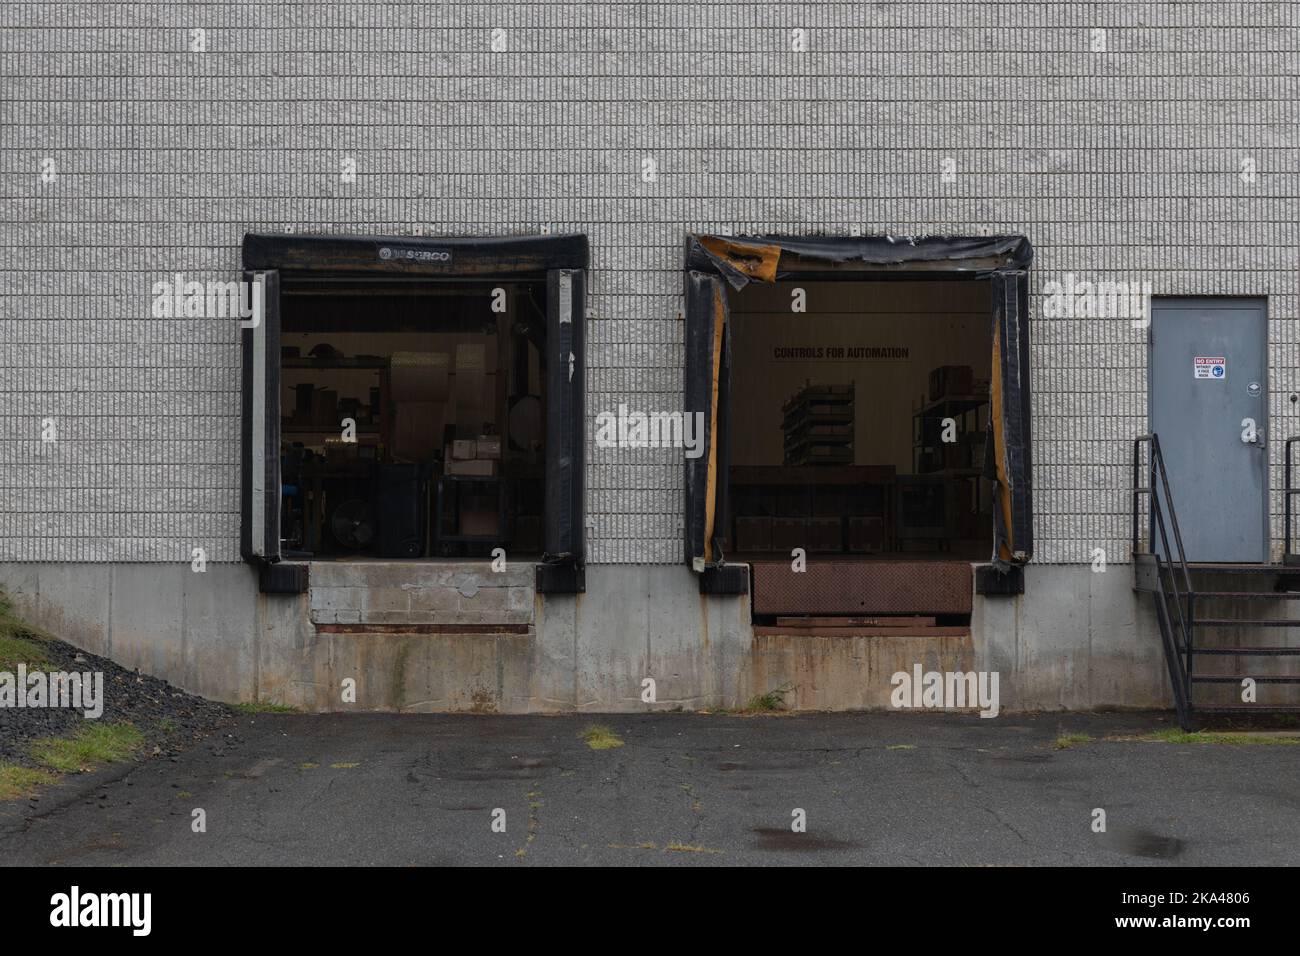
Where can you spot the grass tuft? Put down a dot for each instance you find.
(1066, 741)
(92, 744)
(21, 650)
(676, 847)
(600, 737)
(19, 643)
(18, 781)
(264, 707)
(767, 703)
(1210, 737)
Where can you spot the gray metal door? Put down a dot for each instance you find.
(1209, 408)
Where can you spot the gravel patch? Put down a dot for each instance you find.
(170, 719)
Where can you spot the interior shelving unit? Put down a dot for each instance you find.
(818, 425)
(943, 471)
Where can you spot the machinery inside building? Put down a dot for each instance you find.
(412, 417)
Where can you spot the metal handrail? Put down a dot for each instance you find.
(1289, 492)
(1182, 602)
(1158, 467)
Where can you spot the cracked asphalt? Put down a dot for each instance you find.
(684, 789)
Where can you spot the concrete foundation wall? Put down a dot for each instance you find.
(1074, 640)
(414, 594)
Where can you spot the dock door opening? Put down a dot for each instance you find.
(867, 406)
(410, 398)
(412, 417)
(859, 425)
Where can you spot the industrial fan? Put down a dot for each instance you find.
(353, 525)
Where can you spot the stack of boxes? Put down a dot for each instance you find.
(479, 457)
(472, 452)
(844, 516)
(480, 504)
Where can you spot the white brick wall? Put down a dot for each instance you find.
(1118, 164)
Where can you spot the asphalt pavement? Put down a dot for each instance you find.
(683, 789)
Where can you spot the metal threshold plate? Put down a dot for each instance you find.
(863, 587)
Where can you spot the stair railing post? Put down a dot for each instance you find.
(1288, 492)
(1182, 601)
(1178, 649)
(1173, 512)
(1137, 491)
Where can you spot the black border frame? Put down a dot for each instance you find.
(713, 262)
(560, 260)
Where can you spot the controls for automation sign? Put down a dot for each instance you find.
(836, 353)
(1210, 366)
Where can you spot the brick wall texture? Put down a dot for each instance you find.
(1118, 137)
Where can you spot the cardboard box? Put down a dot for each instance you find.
(487, 446)
(866, 534)
(480, 521)
(463, 448)
(476, 467)
(825, 535)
